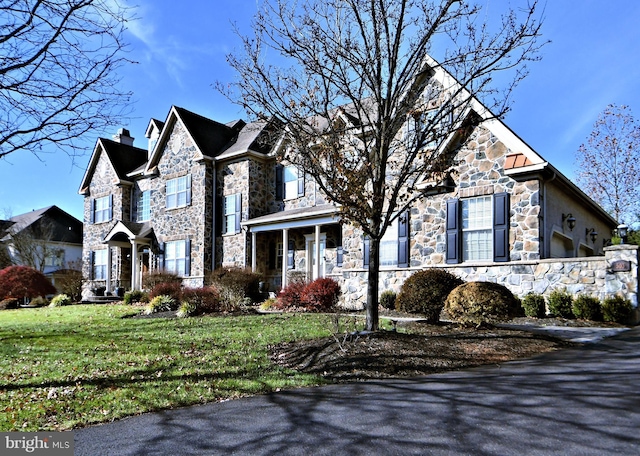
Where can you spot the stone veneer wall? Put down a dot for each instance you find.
(592, 276)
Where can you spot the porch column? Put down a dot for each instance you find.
(134, 265)
(254, 260)
(316, 266)
(285, 255)
(109, 264)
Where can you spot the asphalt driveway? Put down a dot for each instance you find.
(583, 401)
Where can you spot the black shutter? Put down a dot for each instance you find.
(403, 239)
(300, 182)
(92, 210)
(134, 204)
(279, 182)
(453, 232)
(188, 189)
(365, 251)
(92, 262)
(238, 211)
(501, 227)
(291, 254)
(110, 217)
(187, 265)
(163, 256)
(339, 256)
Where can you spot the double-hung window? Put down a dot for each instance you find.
(232, 214)
(100, 264)
(478, 229)
(102, 210)
(477, 226)
(177, 257)
(143, 207)
(178, 192)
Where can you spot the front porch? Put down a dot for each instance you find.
(301, 243)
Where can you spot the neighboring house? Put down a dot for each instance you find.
(47, 239)
(205, 194)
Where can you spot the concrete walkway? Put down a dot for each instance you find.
(583, 401)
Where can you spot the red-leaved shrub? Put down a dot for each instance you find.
(289, 296)
(321, 295)
(24, 282)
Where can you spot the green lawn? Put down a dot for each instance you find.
(70, 366)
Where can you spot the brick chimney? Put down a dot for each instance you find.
(123, 137)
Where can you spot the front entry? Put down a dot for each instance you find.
(314, 272)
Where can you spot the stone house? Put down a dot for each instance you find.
(204, 195)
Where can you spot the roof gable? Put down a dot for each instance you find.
(123, 158)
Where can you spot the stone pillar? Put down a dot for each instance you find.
(285, 255)
(622, 274)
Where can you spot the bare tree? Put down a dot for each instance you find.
(58, 72)
(31, 245)
(368, 113)
(609, 163)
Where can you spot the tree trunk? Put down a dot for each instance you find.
(372, 285)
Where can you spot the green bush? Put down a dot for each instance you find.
(186, 309)
(481, 303)
(617, 309)
(534, 305)
(587, 307)
(388, 299)
(160, 303)
(135, 296)
(236, 284)
(60, 300)
(426, 291)
(560, 304)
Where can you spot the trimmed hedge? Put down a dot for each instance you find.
(481, 303)
(426, 291)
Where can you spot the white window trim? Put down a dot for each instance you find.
(488, 227)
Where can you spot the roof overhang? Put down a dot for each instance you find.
(325, 214)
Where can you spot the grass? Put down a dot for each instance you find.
(67, 367)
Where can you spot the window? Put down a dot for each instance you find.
(177, 257)
(477, 216)
(55, 258)
(416, 135)
(179, 192)
(100, 264)
(289, 182)
(394, 245)
(102, 210)
(143, 207)
(478, 229)
(231, 215)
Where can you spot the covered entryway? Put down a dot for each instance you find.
(304, 241)
(135, 243)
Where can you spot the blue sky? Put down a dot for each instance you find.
(593, 60)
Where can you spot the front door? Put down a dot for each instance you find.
(311, 254)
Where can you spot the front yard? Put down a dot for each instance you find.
(71, 366)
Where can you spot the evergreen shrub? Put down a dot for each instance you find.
(534, 305)
(587, 307)
(425, 292)
(560, 304)
(481, 303)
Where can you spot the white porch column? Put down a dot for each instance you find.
(316, 266)
(285, 255)
(254, 260)
(134, 265)
(109, 263)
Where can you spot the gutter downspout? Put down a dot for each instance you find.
(545, 245)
